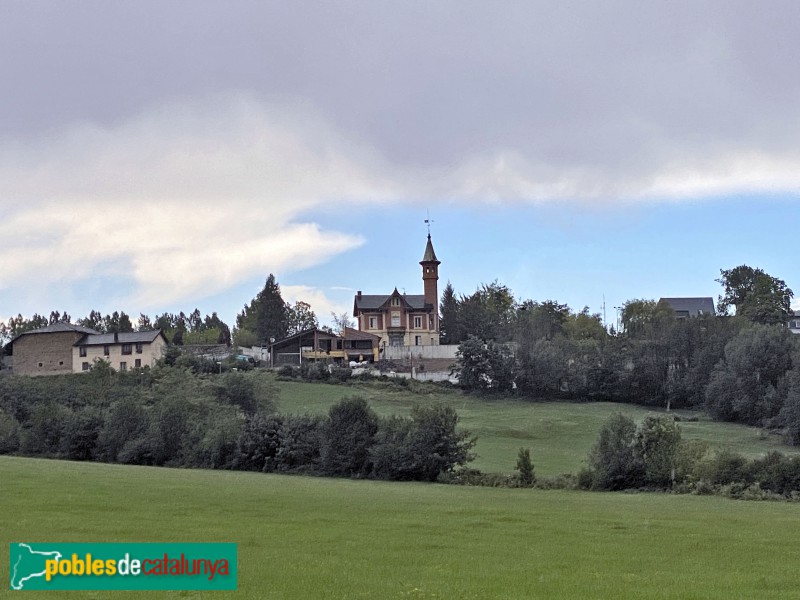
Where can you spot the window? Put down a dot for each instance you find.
(83, 351)
(106, 350)
(85, 366)
(138, 363)
(418, 322)
(395, 319)
(123, 366)
(395, 301)
(138, 348)
(417, 340)
(127, 348)
(40, 365)
(373, 322)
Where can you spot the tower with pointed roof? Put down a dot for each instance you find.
(430, 280)
(401, 319)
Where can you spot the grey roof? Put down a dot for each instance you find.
(60, 327)
(374, 302)
(430, 255)
(133, 337)
(693, 306)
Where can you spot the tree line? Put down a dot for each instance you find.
(742, 368)
(168, 416)
(179, 328)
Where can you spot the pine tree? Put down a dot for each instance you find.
(266, 316)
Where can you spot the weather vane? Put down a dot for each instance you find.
(428, 222)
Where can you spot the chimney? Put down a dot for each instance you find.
(358, 294)
(116, 337)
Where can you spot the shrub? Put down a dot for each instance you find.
(300, 442)
(287, 371)
(614, 462)
(81, 432)
(46, 428)
(258, 443)
(347, 437)
(9, 433)
(126, 421)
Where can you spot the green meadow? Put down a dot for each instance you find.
(559, 434)
(302, 537)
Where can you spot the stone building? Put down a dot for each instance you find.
(48, 350)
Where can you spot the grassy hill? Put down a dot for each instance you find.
(303, 537)
(559, 434)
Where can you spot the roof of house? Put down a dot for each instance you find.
(693, 306)
(60, 327)
(355, 334)
(107, 339)
(374, 302)
(430, 255)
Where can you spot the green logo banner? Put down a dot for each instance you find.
(123, 566)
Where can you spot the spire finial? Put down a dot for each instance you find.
(428, 222)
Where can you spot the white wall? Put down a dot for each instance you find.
(403, 352)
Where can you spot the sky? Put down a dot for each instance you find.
(161, 156)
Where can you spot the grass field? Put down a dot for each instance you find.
(304, 537)
(559, 434)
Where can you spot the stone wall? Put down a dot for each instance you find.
(44, 353)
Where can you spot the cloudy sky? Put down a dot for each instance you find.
(160, 156)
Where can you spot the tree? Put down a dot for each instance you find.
(450, 330)
(757, 296)
(748, 384)
(484, 365)
(640, 317)
(544, 320)
(525, 468)
(19, 324)
(489, 313)
(266, 315)
(342, 321)
(658, 440)
(93, 321)
(300, 317)
(614, 462)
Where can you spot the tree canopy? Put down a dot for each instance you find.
(756, 295)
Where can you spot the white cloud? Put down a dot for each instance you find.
(189, 199)
(319, 301)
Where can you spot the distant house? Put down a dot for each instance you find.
(794, 323)
(123, 351)
(689, 308)
(402, 319)
(320, 345)
(47, 350)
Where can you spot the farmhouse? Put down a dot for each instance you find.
(47, 350)
(318, 344)
(400, 319)
(124, 351)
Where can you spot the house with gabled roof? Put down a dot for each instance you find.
(123, 351)
(47, 350)
(689, 308)
(323, 345)
(404, 319)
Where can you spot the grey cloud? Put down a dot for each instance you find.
(616, 93)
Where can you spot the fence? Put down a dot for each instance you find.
(419, 352)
